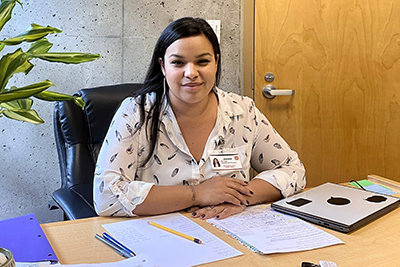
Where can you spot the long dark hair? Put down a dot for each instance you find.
(181, 28)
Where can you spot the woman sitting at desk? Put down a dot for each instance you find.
(157, 155)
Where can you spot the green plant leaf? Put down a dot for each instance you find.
(6, 9)
(16, 103)
(19, 104)
(68, 57)
(79, 101)
(25, 92)
(34, 33)
(21, 110)
(40, 47)
(30, 116)
(54, 96)
(13, 63)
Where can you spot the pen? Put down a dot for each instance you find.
(118, 244)
(116, 249)
(196, 240)
(354, 181)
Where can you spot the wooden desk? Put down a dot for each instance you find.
(375, 244)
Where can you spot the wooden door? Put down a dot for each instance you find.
(342, 60)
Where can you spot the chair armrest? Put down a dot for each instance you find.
(73, 205)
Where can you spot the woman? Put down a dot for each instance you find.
(158, 153)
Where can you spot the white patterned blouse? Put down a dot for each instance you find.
(120, 183)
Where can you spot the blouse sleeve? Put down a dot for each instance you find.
(274, 160)
(116, 191)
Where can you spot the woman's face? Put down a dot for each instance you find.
(189, 67)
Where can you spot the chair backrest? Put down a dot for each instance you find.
(79, 133)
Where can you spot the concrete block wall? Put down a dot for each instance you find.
(124, 33)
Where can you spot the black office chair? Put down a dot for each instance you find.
(79, 134)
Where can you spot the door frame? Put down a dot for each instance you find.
(247, 45)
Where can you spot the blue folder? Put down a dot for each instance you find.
(24, 237)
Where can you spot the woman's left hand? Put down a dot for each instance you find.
(220, 211)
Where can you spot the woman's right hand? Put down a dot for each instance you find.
(222, 190)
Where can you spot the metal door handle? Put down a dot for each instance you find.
(269, 91)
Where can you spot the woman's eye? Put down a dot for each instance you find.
(204, 61)
(177, 62)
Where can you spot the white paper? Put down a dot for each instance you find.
(137, 261)
(328, 264)
(35, 264)
(167, 249)
(267, 231)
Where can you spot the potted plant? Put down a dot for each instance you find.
(16, 103)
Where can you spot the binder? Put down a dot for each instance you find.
(24, 237)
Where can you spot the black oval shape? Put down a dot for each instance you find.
(376, 199)
(338, 201)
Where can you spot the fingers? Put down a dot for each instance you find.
(240, 186)
(238, 190)
(236, 198)
(219, 212)
(207, 212)
(223, 189)
(229, 212)
(192, 209)
(244, 190)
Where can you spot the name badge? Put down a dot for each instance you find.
(225, 161)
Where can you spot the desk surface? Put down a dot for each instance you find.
(375, 244)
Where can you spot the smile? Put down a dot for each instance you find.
(192, 84)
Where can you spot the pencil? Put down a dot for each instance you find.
(196, 240)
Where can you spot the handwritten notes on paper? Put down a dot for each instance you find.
(167, 249)
(266, 231)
